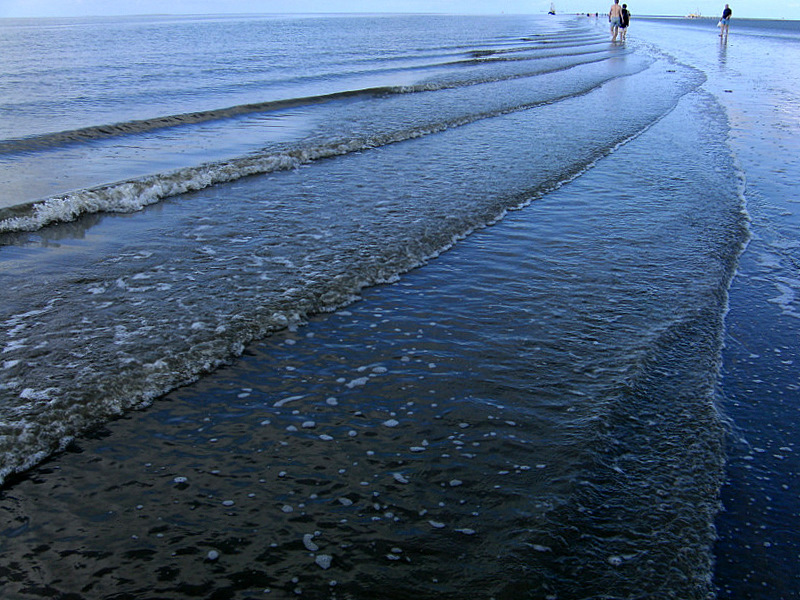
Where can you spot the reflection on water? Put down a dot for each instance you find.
(723, 51)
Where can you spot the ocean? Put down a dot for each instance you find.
(398, 306)
(757, 552)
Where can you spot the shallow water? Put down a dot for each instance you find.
(532, 413)
(757, 551)
(502, 400)
(168, 294)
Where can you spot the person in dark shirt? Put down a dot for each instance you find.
(725, 21)
(625, 20)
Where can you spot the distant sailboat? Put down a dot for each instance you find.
(695, 15)
(552, 8)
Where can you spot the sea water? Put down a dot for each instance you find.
(533, 413)
(751, 73)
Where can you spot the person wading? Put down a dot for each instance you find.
(625, 20)
(615, 18)
(725, 21)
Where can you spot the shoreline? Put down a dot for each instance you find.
(754, 551)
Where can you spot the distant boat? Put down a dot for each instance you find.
(552, 10)
(695, 15)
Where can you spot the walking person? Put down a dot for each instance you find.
(624, 22)
(615, 18)
(725, 21)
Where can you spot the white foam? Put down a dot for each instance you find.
(39, 395)
(280, 403)
(399, 478)
(787, 297)
(357, 382)
(14, 345)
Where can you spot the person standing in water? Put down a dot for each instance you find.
(615, 18)
(725, 21)
(625, 20)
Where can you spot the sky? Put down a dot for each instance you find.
(765, 9)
